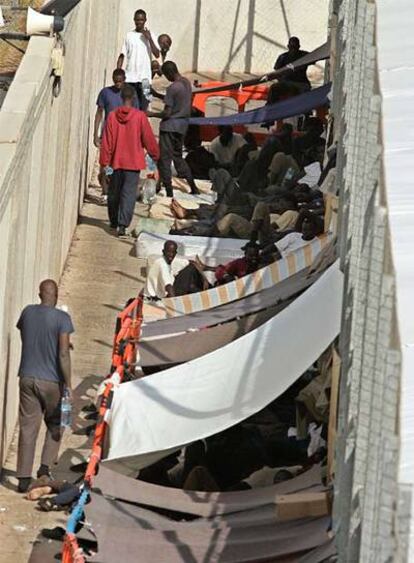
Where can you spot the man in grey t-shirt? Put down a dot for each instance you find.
(173, 127)
(44, 372)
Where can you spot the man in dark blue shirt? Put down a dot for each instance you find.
(297, 77)
(109, 98)
(44, 373)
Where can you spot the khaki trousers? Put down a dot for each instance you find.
(38, 399)
(242, 228)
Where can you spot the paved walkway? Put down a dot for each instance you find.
(100, 275)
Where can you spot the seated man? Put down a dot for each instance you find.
(238, 268)
(225, 146)
(198, 158)
(296, 77)
(162, 273)
(170, 276)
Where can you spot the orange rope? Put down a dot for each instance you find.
(131, 320)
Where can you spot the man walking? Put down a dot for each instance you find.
(127, 132)
(109, 98)
(173, 128)
(138, 47)
(44, 372)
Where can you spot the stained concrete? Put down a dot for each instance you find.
(99, 276)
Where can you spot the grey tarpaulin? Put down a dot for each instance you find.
(223, 313)
(232, 527)
(185, 347)
(200, 503)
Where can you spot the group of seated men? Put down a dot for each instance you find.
(269, 196)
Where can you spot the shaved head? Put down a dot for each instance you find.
(48, 292)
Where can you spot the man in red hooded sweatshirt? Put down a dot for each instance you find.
(127, 133)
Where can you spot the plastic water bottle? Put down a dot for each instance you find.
(150, 164)
(146, 89)
(290, 172)
(66, 410)
(108, 170)
(149, 190)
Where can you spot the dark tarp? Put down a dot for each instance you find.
(200, 503)
(234, 527)
(223, 313)
(318, 54)
(185, 347)
(272, 112)
(132, 538)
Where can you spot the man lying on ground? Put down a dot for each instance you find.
(267, 219)
(308, 227)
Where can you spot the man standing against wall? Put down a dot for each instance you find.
(44, 372)
(127, 132)
(173, 127)
(138, 47)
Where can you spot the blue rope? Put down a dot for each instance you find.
(77, 512)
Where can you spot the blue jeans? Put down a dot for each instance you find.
(122, 195)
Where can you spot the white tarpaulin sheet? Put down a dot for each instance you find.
(159, 413)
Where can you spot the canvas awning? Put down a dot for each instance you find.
(155, 415)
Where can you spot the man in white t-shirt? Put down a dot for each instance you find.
(225, 146)
(138, 48)
(162, 274)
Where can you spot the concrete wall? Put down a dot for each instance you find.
(231, 35)
(45, 162)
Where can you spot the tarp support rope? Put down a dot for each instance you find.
(129, 323)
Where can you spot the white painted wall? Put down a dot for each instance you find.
(46, 157)
(231, 35)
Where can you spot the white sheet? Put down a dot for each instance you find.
(162, 412)
(152, 243)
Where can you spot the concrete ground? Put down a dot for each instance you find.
(100, 275)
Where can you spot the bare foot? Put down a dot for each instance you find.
(35, 494)
(177, 209)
